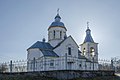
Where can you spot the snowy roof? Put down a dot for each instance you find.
(45, 48)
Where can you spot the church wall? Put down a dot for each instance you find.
(57, 32)
(63, 48)
(87, 53)
(56, 35)
(88, 66)
(59, 63)
(54, 42)
(51, 63)
(34, 53)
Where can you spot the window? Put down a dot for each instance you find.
(60, 34)
(69, 50)
(92, 51)
(80, 65)
(84, 51)
(54, 33)
(52, 63)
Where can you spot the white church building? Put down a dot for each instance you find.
(61, 52)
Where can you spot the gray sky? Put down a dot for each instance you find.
(23, 22)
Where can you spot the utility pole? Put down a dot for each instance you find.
(11, 66)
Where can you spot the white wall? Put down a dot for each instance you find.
(87, 47)
(34, 53)
(63, 48)
(55, 40)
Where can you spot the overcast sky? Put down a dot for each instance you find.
(23, 22)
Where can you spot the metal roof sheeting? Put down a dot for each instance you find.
(45, 48)
(61, 24)
(88, 38)
(41, 45)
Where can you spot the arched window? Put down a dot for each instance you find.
(54, 34)
(92, 51)
(69, 50)
(60, 34)
(84, 51)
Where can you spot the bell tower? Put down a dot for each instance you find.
(89, 48)
(56, 31)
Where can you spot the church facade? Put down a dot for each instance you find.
(61, 52)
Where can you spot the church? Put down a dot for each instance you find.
(61, 52)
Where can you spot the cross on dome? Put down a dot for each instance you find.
(87, 25)
(88, 37)
(58, 11)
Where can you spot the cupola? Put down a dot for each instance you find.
(56, 31)
(88, 37)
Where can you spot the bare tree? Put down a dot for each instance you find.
(3, 67)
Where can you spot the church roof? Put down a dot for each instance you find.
(45, 48)
(88, 37)
(57, 22)
(60, 24)
(49, 53)
(41, 45)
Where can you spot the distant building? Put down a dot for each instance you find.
(61, 52)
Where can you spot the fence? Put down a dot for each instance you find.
(14, 66)
(22, 66)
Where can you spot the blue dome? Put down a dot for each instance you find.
(88, 30)
(88, 37)
(57, 24)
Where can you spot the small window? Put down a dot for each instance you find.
(60, 34)
(84, 51)
(54, 33)
(80, 65)
(92, 51)
(52, 63)
(69, 50)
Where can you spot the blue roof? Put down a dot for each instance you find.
(57, 22)
(49, 53)
(41, 45)
(45, 48)
(88, 37)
